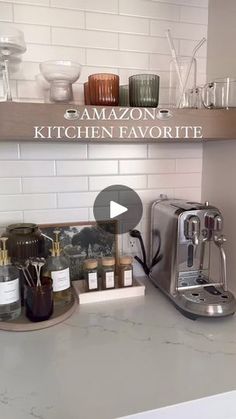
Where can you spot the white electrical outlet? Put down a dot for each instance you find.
(131, 245)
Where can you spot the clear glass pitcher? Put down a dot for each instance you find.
(220, 93)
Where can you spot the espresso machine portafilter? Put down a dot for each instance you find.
(188, 236)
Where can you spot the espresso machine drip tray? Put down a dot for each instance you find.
(207, 301)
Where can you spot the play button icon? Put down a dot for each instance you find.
(120, 205)
(116, 209)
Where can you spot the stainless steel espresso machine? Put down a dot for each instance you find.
(185, 238)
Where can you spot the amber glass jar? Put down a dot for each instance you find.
(39, 301)
(104, 89)
(24, 241)
(108, 273)
(125, 271)
(91, 274)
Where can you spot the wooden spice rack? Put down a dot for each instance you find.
(17, 122)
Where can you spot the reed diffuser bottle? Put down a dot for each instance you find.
(57, 268)
(10, 305)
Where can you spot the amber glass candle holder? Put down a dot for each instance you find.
(39, 301)
(104, 89)
(144, 90)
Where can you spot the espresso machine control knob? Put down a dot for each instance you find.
(213, 222)
(218, 223)
(192, 229)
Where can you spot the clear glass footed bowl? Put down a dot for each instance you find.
(61, 75)
(60, 70)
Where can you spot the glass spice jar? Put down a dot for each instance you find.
(125, 271)
(108, 273)
(91, 274)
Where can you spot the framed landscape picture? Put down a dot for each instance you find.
(82, 240)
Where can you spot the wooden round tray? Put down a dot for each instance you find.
(22, 324)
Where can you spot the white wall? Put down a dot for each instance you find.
(58, 182)
(221, 60)
(219, 169)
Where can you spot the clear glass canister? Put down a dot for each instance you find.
(91, 274)
(108, 273)
(10, 304)
(125, 271)
(181, 81)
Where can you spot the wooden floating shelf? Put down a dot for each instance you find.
(18, 121)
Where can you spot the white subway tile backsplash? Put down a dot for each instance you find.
(27, 202)
(117, 58)
(10, 217)
(80, 199)
(193, 194)
(84, 199)
(48, 16)
(13, 89)
(110, 6)
(35, 34)
(39, 53)
(10, 186)
(186, 48)
(147, 166)
(188, 165)
(101, 182)
(149, 9)
(29, 89)
(90, 167)
(194, 15)
(6, 13)
(56, 216)
(26, 168)
(143, 43)
(117, 151)
(117, 23)
(178, 150)
(33, 2)
(177, 180)
(54, 184)
(26, 71)
(32, 33)
(148, 196)
(50, 151)
(160, 62)
(178, 29)
(8, 150)
(84, 38)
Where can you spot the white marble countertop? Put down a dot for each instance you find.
(115, 359)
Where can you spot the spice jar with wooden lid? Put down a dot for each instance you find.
(125, 271)
(91, 274)
(108, 273)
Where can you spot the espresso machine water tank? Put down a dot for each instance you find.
(187, 235)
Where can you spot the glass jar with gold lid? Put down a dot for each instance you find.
(91, 274)
(108, 273)
(125, 271)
